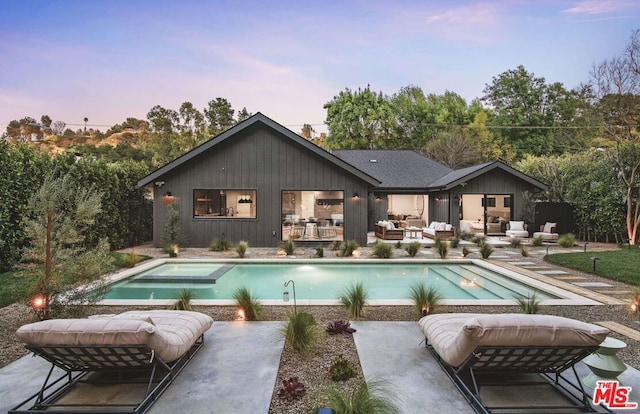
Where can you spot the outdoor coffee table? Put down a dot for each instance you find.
(413, 232)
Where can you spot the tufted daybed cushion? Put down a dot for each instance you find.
(169, 333)
(454, 336)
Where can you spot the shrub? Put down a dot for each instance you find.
(442, 247)
(130, 259)
(340, 327)
(184, 300)
(248, 303)
(567, 240)
(486, 250)
(382, 250)
(466, 235)
(537, 241)
(465, 252)
(453, 243)
(413, 248)
(425, 299)
(398, 244)
(368, 397)
(347, 249)
(515, 241)
(524, 251)
(172, 250)
(300, 331)
(219, 245)
(530, 304)
(288, 246)
(479, 239)
(336, 245)
(291, 389)
(354, 298)
(241, 248)
(341, 369)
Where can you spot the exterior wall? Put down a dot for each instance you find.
(257, 158)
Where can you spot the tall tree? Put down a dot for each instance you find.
(359, 120)
(219, 116)
(243, 114)
(617, 85)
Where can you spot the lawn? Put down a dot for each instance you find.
(14, 287)
(622, 264)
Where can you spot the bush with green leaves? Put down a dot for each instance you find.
(336, 245)
(185, 296)
(425, 298)
(479, 239)
(529, 304)
(342, 369)
(466, 235)
(486, 250)
(442, 247)
(524, 251)
(453, 243)
(348, 248)
(131, 259)
(413, 248)
(241, 248)
(354, 298)
(382, 250)
(249, 304)
(537, 241)
(220, 245)
(288, 246)
(368, 397)
(567, 240)
(300, 331)
(398, 244)
(515, 241)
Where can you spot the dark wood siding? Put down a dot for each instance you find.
(263, 160)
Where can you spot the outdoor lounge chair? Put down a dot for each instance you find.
(483, 351)
(139, 347)
(547, 232)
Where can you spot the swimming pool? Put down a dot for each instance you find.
(322, 281)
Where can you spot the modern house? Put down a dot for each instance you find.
(263, 183)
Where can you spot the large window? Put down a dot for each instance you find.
(221, 203)
(313, 215)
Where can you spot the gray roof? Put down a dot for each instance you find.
(257, 118)
(458, 177)
(396, 169)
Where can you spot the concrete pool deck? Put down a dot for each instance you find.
(236, 369)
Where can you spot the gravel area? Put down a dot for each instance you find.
(313, 368)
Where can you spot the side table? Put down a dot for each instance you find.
(604, 364)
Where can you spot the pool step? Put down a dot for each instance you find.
(210, 278)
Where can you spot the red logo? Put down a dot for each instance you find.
(612, 395)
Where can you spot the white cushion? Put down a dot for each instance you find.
(516, 225)
(448, 227)
(432, 225)
(548, 227)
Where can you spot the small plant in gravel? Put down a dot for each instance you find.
(248, 303)
(372, 397)
(291, 389)
(347, 249)
(479, 239)
(172, 250)
(567, 240)
(319, 251)
(466, 235)
(413, 248)
(382, 250)
(184, 300)
(342, 369)
(336, 245)
(300, 331)
(442, 247)
(241, 248)
(530, 304)
(524, 251)
(340, 327)
(515, 241)
(354, 298)
(453, 243)
(288, 246)
(537, 241)
(399, 244)
(486, 250)
(425, 299)
(130, 259)
(635, 301)
(465, 252)
(220, 245)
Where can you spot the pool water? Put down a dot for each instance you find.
(315, 281)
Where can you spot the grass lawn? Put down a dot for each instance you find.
(622, 264)
(14, 288)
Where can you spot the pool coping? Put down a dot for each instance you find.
(570, 295)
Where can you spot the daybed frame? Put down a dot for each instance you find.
(102, 364)
(488, 362)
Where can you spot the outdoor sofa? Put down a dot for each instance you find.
(139, 347)
(386, 230)
(479, 351)
(438, 230)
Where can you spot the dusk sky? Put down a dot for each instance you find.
(109, 60)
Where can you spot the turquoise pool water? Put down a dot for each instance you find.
(315, 281)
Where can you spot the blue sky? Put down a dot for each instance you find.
(109, 60)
